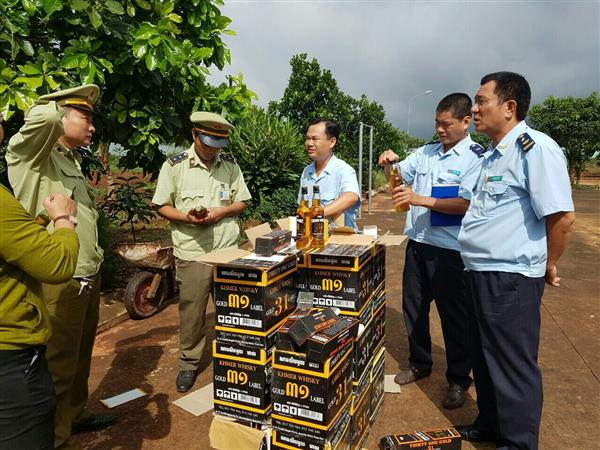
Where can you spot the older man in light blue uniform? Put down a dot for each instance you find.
(336, 179)
(433, 268)
(516, 229)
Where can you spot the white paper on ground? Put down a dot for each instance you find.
(125, 397)
(198, 402)
(390, 386)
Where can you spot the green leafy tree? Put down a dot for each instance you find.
(129, 203)
(150, 58)
(574, 123)
(313, 92)
(270, 152)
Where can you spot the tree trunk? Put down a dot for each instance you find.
(104, 159)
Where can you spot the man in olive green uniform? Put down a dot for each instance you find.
(42, 158)
(201, 177)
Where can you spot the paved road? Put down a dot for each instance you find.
(144, 354)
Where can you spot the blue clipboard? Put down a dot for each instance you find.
(439, 219)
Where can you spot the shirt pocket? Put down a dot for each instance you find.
(193, 198)
(448, 178)
(420, 181)
(496, 197)
(327, 197)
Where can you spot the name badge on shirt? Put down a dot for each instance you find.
(224, 193)
(454, 172)
(494, 178)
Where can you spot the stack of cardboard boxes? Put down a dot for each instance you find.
(316, 375)
(253, 297)
(312, 381)
(352, 278)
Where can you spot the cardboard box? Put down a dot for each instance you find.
(316, 320)
(284, 340)
(377, 372)
(442, 439)
(241, 378)
(362, 354)
(359, 411)
(325, 343)
(271, 243)
(378, 267)
(308, 396)
(253, 339)
(253, 293)
(341, 276)
(378, 336)
(338, 439)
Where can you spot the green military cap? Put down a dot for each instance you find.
(82, 97)
(212, 129)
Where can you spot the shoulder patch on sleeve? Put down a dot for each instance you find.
(525, 142)
(478, 149)
(227, 157)
(177, 158)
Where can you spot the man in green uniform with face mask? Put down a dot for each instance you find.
(200, 191)
(42, 158)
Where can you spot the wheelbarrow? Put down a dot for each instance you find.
(149, 288)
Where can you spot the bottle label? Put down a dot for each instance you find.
(300, 227)
(318, 227)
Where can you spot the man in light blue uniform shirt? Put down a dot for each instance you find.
(336, 179)
(433, 268)
(516, 229)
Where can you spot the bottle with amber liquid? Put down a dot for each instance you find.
(303, 234)
(395, 181)
(317, 219)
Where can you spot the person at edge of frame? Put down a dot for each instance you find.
(512, 237)
(42, 158)
(338, 185)
(209, 179)
(433, 269)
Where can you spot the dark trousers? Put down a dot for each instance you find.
(505, 310)
(436, 273)
(26, 400)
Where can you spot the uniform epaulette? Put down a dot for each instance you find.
(478, 149)
(176, 159)
(525, 142)
(227, 157)
(435, 141)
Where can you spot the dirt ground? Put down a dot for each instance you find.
(144, 354)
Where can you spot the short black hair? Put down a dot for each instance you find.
(332, 129)
(457, 104)
(511, 86)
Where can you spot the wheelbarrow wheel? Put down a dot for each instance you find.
(138, 305)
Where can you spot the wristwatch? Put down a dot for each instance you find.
(71, 219)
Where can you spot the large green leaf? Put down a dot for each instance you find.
(51, 6)
(30, 69)
(31, 82)
(114, 7)
(70, 61)
(151, 60)
(95, 17)
(78, 5)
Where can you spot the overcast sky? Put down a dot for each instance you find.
(394, 50)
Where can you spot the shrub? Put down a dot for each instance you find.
(270, 153)
(128, 202)
(282, 203)
(111, 265)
